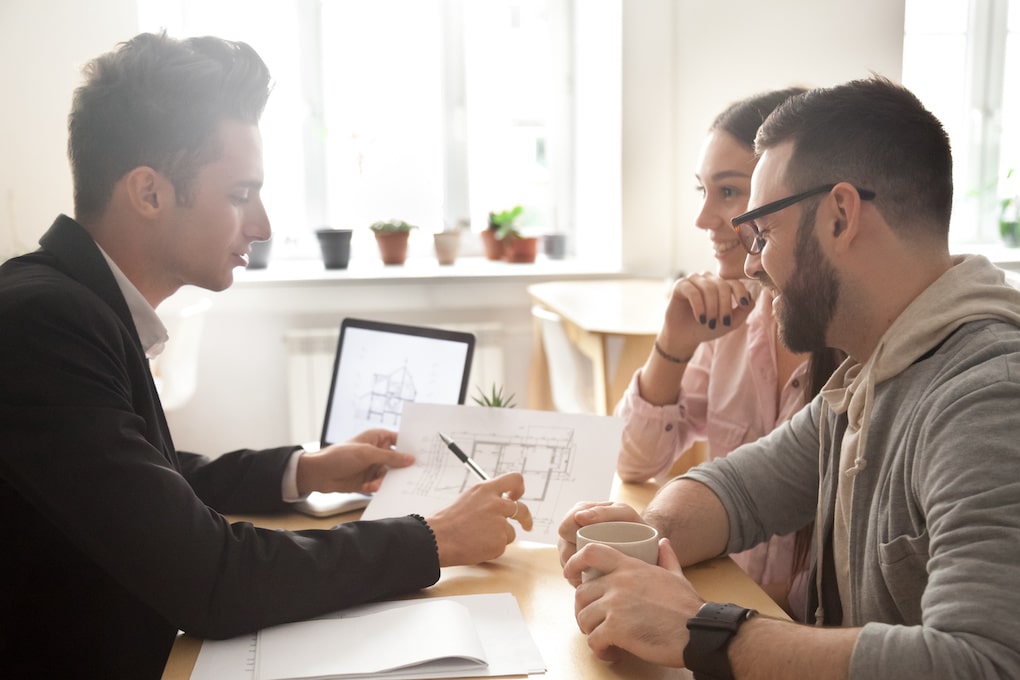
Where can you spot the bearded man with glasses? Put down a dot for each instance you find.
(907, 460)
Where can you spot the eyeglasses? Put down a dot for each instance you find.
(751, 237)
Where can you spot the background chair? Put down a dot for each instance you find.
(571, 373)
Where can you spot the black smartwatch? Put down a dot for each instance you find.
(711, 630)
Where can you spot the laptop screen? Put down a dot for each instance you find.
(381, 366)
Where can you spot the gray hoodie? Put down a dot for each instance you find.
(928, 557)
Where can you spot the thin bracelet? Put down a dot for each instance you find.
(670, 357)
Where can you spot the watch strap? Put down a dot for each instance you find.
(710, 632)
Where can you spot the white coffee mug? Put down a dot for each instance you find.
(631, 538)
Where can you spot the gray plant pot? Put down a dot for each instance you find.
(336, 247)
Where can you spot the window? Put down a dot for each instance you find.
(963, 60)
(430, 111)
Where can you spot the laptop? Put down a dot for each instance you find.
(378, 368)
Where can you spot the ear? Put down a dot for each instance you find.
(148, 191)
(843, 218)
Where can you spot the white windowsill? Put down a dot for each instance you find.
(421, 270)
(368, 287)
(997, 253)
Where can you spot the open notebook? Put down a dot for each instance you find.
(378, 368)
(482, 635)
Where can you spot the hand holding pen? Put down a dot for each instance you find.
(477, 522)
(457, 451)
(510, 493)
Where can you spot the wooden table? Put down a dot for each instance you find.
(532, 573)
(613, 322)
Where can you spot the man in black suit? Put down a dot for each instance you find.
(113, 539)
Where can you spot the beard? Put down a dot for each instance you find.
(809, 298)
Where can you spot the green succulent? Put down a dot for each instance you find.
(495, 399)
(504, 222)
(392, 226)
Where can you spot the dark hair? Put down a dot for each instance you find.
(157, 101)
(821, 364)
(874, 134)
(742, 119)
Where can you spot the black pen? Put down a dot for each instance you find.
(452, 445)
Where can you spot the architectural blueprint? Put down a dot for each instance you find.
(564, 458)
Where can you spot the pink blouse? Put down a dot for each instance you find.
(727, 398)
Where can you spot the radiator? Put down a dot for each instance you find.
(310, 357)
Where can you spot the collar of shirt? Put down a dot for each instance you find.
(150, 328)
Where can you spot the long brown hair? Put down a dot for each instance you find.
(821, 365)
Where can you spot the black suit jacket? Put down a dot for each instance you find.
(113, 539)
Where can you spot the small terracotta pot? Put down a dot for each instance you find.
(520, 248)
(392, 246)
(493, 246)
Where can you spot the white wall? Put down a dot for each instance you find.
(44, 45)
(683, 61)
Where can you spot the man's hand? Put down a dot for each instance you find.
(476, 527)
(357, 465)
(590, 512)
(633, 606)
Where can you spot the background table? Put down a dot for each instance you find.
(613, 322)
(532, 573)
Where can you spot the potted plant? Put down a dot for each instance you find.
(493, 245)
(516, 247)
(391, 236)
(495, 398)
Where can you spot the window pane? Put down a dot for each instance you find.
(961, 62)
(934, 68)
(382, 81)
(935, 16)
(1009, 156)
(515, 94)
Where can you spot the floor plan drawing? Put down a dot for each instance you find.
(384, 403)
(543, 455)
(564, 458)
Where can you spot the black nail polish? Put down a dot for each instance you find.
(701, 319)
(726, 320)
(744, 301)
(711, 324)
